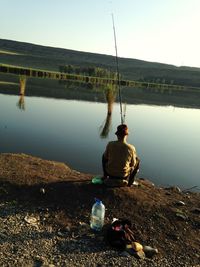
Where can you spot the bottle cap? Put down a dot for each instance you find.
(98, 201)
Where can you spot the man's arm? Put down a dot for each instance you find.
(133, 158)
(105, 154)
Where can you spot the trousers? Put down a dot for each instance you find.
(130, 178)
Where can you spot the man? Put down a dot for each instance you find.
(120, 161)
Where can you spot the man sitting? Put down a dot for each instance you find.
(120, 161)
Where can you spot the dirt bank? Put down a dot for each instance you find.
(165, 218)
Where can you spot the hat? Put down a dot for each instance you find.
(122, 130)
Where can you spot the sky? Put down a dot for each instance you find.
(165, 31)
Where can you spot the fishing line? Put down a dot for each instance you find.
(124, 113)
(117, 67)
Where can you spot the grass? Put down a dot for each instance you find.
(9, 52)
(8, 83)
(39, 73)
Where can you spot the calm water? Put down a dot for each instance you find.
(166, 138)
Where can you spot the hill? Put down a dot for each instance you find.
(50, 58)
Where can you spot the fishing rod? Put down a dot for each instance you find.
(117, 67)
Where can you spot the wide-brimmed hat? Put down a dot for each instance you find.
(122, 130)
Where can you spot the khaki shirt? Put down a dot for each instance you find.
(121, 158)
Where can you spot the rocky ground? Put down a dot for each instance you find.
(45, 210)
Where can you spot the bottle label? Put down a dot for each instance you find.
(96, 222)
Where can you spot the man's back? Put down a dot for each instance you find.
(120, 157)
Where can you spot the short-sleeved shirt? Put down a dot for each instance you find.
(121, 158)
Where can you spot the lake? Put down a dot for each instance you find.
(166, 137)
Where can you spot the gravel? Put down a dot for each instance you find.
(27, 239)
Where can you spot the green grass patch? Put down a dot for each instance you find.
(9, 52)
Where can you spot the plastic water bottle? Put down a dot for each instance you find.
(97, 215)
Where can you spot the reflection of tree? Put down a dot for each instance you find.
(106, 127)
(110, 94)
(21, 103)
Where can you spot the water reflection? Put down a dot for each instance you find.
(21, 103)
(70, 90)
(110, 94)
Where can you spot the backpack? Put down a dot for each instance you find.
(119, 234)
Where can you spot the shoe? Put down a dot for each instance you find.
(135, 183)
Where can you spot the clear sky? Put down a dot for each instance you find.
(164, 31)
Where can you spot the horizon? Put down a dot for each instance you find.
(153, 31)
